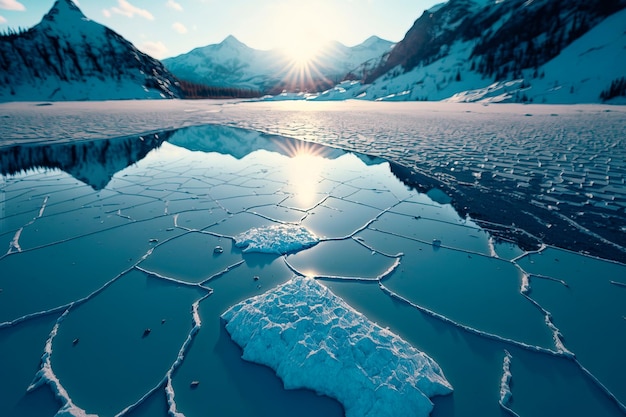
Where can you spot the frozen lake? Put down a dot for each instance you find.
(122, 254)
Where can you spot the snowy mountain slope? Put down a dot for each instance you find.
(227, 64)
(70, 57)
(233, 64)
(547, 51)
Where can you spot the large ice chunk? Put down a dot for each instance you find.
(279, 239)
(314, 340)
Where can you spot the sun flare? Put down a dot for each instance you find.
(303, 30)
(303, 47)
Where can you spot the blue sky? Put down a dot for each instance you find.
(165, 28)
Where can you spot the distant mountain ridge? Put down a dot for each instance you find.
(70, 57)
(231, 63)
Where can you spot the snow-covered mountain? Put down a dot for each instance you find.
(542, 51)
(231, 63)
(70, 57)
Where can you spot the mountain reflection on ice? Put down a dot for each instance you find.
(120, 266)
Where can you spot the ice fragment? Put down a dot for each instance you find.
(279, 239)
(313, 339)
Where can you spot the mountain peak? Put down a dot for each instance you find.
(374, 40)
(64, 10)
(68, 56)
(231, 41)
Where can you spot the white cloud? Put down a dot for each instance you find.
(154, 49)
(12, 5)
(128, 10)
(173, 5)
(2, 20)
(106, 13)
(180, 28)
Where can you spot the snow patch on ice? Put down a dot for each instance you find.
(314, 340)
(279, 239)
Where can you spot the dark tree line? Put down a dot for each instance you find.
(533, 36)
(192, 90)
(617, 89)
(11, 33)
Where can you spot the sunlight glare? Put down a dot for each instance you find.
(303, 47)
(306, 165)
(302, 25)
(305, 177)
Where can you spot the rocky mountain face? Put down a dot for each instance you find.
(70, 57)
(511, 35)
(480, 43)
(231, 63)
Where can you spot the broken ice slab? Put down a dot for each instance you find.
(61, 273)
(229, 386)
(106, 342)
(278, 239)
(198, 215)
(586, 307)
(563, 390)
(426, 223)
(343, 259)
(191, 257)
(336, 218)
(319, 342)
(21, 201)
(19, 361)
(240, 223)
(279, 214)
(53, 228)
(437, 278)
(249, 202)
(476, 377)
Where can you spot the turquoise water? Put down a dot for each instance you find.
(114, 255)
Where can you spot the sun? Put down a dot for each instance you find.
(304, 46)
(302, 28)
(304, 32)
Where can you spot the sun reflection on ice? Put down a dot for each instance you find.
(305, 167)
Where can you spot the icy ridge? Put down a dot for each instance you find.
(505, 384)
(319, 342)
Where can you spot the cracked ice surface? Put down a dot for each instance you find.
(111, 284)
(556, 172)
(314, 340)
